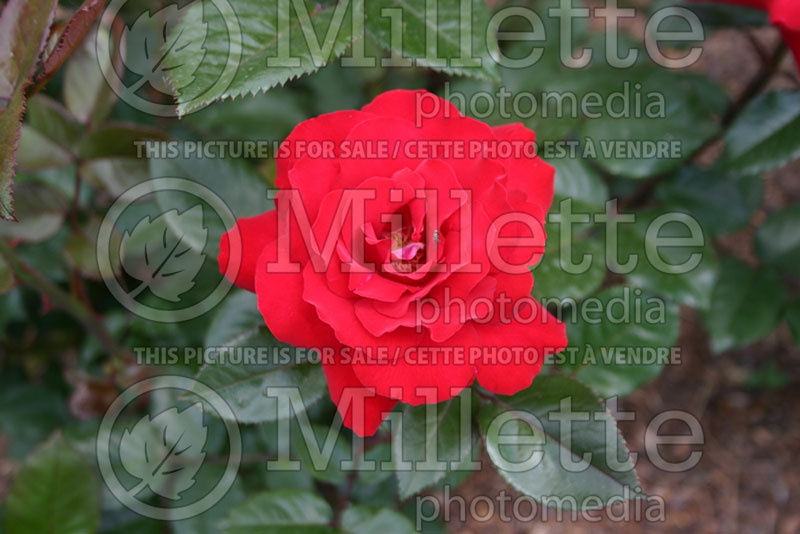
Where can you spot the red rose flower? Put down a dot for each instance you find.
(785, 14)
(401, 238)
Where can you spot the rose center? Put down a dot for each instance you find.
(407, 252)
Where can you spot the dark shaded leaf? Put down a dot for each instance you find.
(529, 446)
(745, 305)
(766, 135)
(778, 240)
(54, 492)
(617, 350)
(280, 512)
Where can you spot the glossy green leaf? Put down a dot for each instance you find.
(638, 143)
(165, 452)
(577, 180)
(238, 325)
(745, 305)
(766, 135)
(208, 521)
(620, 339)
(263, 35)
(556, 442)
(720, 201)
(674, 257)
(573, 265)
(778, 240)
(365, 520)
(311, 444)
(280, 512)
(435, 42)
(263, 117)
(55, 492)
(427, 430)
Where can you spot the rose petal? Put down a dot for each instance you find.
(253, 235)
(543, 336)
(330, 127)
(366, 410)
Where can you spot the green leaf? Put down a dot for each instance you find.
(36, 152)
(40, 210)
(261, 35)
(86, 93)
(29, 413)
(553, 280)
(426, 430)
(766, 135)
(117, 141)
(164, 453)
(720, 201)
(379, 453)
(160, 260)
(778, 240)
(245, 118)
(166, 50)
(80, 250)
(745, 305)
(54, 122)
(682, 267)
(623, 345)
(244, 191)
(280, 512)
(530, 445)
(208, 521)
(435, 42)
(52, 136)
(238, 324)
(793, 319)
(365, 520)
(629, 145)
(23, 32)
(115, 176)
(324, 467)
(55, 491)
(577, 180)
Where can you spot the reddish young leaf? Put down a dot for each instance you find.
(24, 26)
(69, 40)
